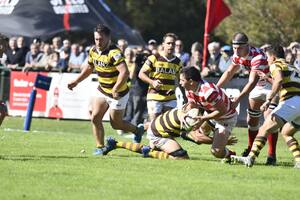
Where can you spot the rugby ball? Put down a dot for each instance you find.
(189, 120)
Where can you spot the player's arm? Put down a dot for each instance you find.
(277, 79)
(122, 78)
(221, 110)
(253, 78)
(86, 71)
(197, 137)
(228, 74)
(144, 75)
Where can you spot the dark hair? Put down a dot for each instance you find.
(101, 28)
(277, 51)
(191, 73)
(240, 38)
(3, 38)
(173, 35)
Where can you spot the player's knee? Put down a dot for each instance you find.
(95, 119)
(217, 152)
(253, 116)
(179, 154)
(116, 125)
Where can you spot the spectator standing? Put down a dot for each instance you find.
(122, 44)
(226, 58)
(214, 58)
(184, 56)
(32, 58)
(15, 56)
(76, 59)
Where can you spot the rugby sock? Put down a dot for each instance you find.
(294, 148)
(99, 146)
(272, 141)
(158, 154)
(258, 144)
(251, 137)
(135, 147)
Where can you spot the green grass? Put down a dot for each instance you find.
(46, 163)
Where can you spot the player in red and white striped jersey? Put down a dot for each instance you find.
(217, 107)
(208, 95)
(254, 60)
(3, 47)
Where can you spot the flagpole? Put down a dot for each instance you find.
(206, 34)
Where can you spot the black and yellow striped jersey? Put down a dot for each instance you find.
(167, 71)
(167, 124)
(105, 64)
(291, 79)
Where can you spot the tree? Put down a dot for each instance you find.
(264, 21)
(154, 18)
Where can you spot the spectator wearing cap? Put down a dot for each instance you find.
(152, 46)
(293, 47)
(184, 56)
(226, 58)
(297, 59)
(289, 56)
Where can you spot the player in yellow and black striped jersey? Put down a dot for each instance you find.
(108, 61)
(162, 133)
(106, 67)
(286, 81)
(161, 71)
(290, 79)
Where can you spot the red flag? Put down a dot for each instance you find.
(216, 11)
(67, 16)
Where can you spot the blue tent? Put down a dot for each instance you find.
(46, 18)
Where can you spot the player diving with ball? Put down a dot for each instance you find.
(163, 129)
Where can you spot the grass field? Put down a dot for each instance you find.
(47, 163)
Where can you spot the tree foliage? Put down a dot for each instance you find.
(154, 18)
(265, 21)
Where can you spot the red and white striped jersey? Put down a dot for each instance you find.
(208, 95)
(255, 61)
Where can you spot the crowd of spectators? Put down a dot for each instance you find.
(61, 55)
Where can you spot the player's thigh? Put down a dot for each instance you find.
(289, 129)
(220, 139)
(271, 124)
(170, 146)
(99, 107)
(154, 109)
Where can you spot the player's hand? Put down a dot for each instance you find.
(115, 94)
(265, 106)
(232, 140)
(72, 84)
(234, 102)
(156, 84)
(200, 121)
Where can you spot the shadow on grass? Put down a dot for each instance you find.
(36, 157)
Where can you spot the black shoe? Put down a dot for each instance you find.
(246, 152)
(271, 161)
